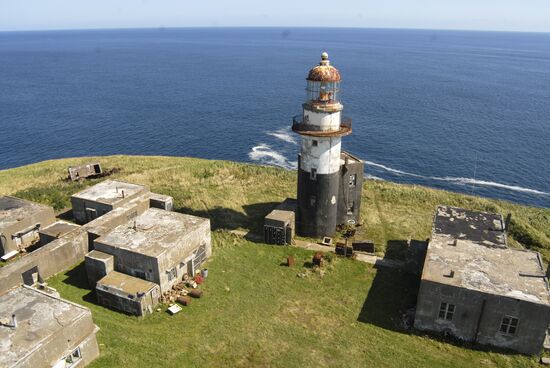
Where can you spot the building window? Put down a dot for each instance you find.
(73, 358)
(172, 273)
(352, 180)
(313, 174)
(446, 311)
(314, 143)
(509, 325)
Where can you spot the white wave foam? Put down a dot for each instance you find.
(395, 171)
(372, 177)
(268, 156)
(459, 181)
(465, 181)
(284, 135)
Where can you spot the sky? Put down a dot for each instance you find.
(499, 15)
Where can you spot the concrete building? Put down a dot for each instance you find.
(20, 222)
(71, 246)
(41, 330)
(158, 246)
(280, 224)
(322, 127)
(476, 288)
(127, 293)
(102, 198)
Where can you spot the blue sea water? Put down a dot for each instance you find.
(464, 111)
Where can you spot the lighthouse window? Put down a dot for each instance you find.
(313, 174)
(314, 143)
(352, 180)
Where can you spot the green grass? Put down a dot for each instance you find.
(256, 312)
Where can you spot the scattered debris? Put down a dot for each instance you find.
(184, 300)
(344, 250)
(327, 241)
(318, 259)
(290, 261)
(366, 246)
(174, 308)
(91, 170)
(195, 293)
(545, 360)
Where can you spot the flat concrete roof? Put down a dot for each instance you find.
(280, 215)
(482, 262)
(480, 227)
(39, 317)
(14, 209)
(152, 232)
(109, 191)
(123, 284)
(96, 254)
(59, 228)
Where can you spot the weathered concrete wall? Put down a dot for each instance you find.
(178, 256)
(137, 306)
(130, 263)
(40, 219)
(350, 194)
(478, 317)
(534, 320)
(50, 259)
(98, 267)
(79, 209)
(79, 334)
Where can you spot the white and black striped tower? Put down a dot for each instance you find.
(321, 127)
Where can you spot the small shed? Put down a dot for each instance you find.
(279, 224)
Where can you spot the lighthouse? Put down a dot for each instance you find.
(326, 175)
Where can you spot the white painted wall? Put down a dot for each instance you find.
(324, 120)
(325, 157)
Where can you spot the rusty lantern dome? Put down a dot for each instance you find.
(324, 72)
(323, 84)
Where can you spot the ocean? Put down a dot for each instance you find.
(463, 111)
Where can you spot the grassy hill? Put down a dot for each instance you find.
(256, 312)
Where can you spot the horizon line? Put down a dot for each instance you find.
(270, 27)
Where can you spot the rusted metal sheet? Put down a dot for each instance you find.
(318, 259)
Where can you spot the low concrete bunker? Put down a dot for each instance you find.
(476, 288)
(42, 330)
